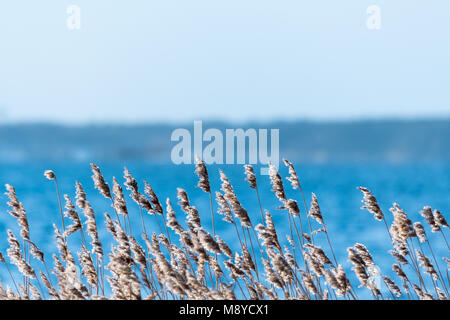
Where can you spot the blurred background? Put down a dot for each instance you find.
(360, 97)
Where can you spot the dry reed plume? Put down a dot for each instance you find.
(185, 259)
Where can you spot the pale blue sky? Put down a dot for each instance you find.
(167, 60)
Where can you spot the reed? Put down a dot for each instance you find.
(190, 260)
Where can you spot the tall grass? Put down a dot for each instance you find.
(189, 260)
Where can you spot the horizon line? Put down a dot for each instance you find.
(348, 120)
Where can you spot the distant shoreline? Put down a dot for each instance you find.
(397, 141)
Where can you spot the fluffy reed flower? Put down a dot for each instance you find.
(202, 172)
(99, 181)
(268, 293)
(400, 247)
(314, 210)
(293, 178)
(344, 282)
(439, 218)
(192, 213)
(80, 196)
(318, 253)
(291, 206)
(91, 221)
(138, 253)
(110, 225)
(277, 183)
(308, 281)
(317, 231)
(281, 266)
(35, 251)
(130, 182)
(125, 283)
(399, 257)
(218, 273)
(392, 286)
(420, 231)
(251, 177)
(16, 257)
(24, 291)
(371, 204)
(153, 198)
(271, 276)
(197, 244)
(87, 266)
(183, 199)
(365, 256)
(230, 196)
(50, 175)
(51, 290)
(270, 226)
(290, 257)
(119, 202)
(241, 263)
(402, 225)
(427, 213)
(332, 281)
(248, 258)
(359, 266)
(307, 237)
(224, 248)
(314, 264)
(172, 221)
(265, 236)
(427, 265)
(13, 202)
(441, 295)
(18, 211)
(224, 208)
(72, 214)
(422, 295)
(61, 243)
(399, 271)
(132, 186)
(208, 241)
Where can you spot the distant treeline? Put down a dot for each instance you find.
(302, 141)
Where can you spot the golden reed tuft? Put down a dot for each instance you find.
(196, 263)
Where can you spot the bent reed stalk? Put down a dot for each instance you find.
(189, 260)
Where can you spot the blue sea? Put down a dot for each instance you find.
(412, 186)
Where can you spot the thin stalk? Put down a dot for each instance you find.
(212, 213)
(331, 247)
(40, 288)
(254, 256)
(60, 204)
(12, 278)
(115, 211)
(445, 239)
(142, 218)
(48, 273)
(159, 226)
(307, 210)
(437, 265)
(165, 226)
(416, 265)
(260, 206)
(387, 229)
